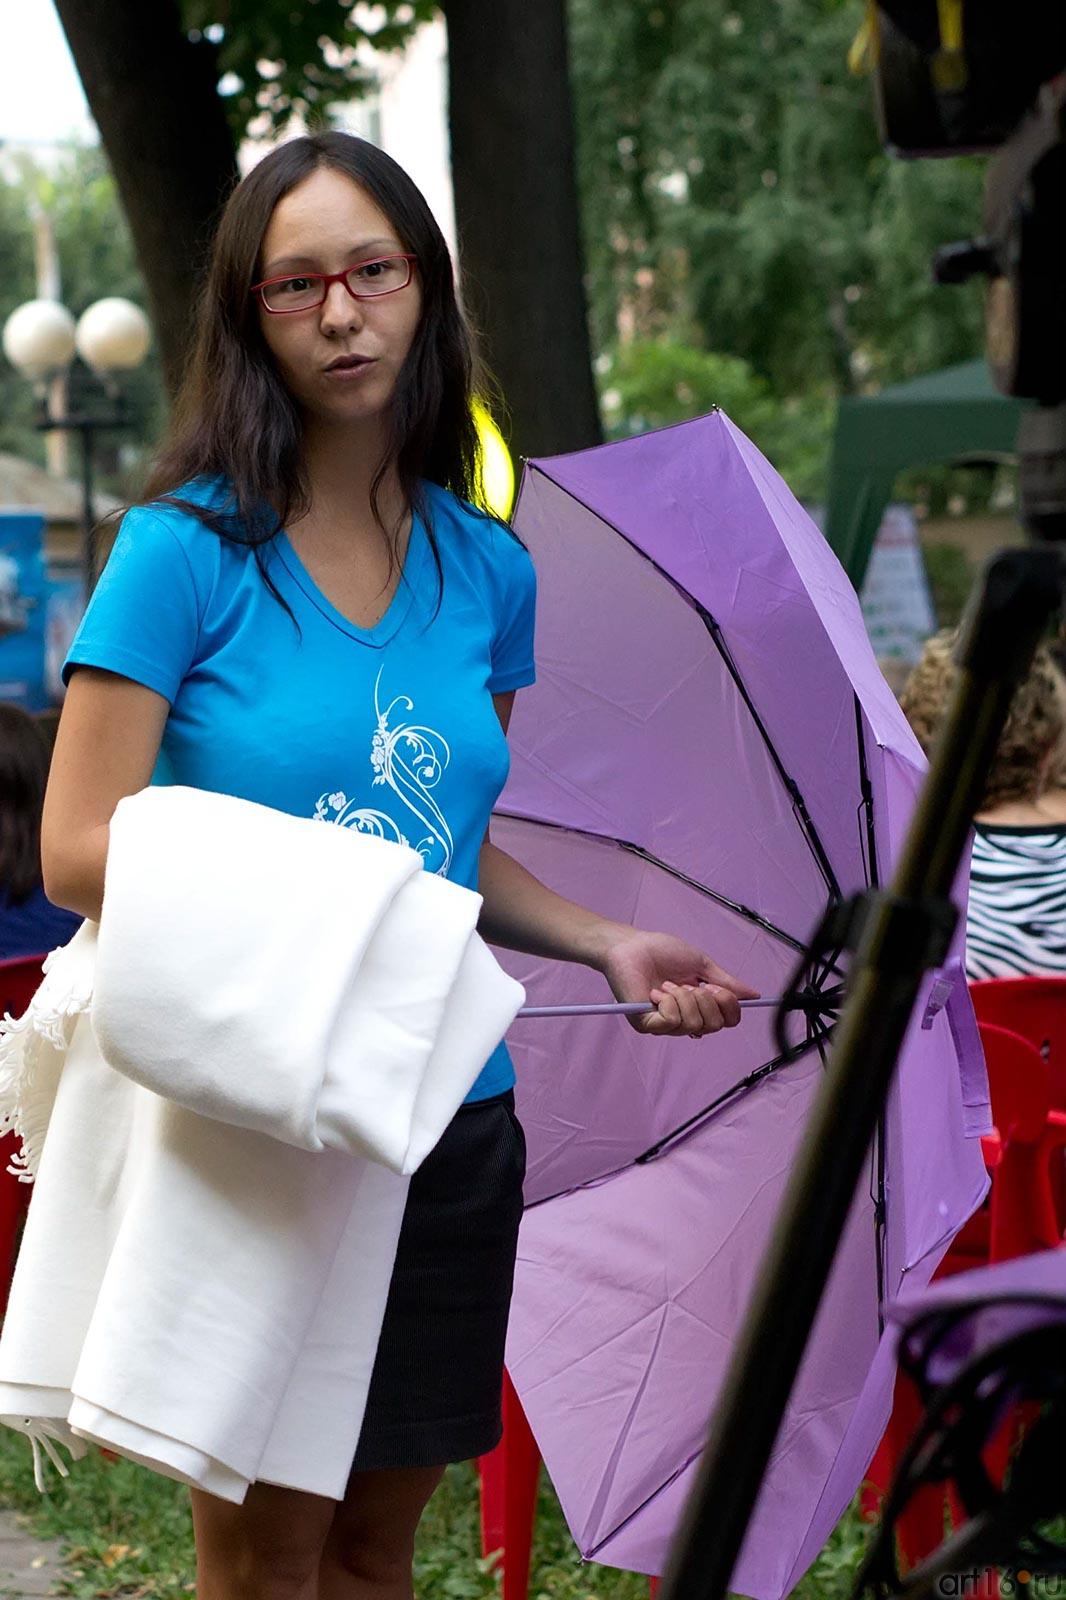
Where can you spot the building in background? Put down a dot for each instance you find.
(26, 486)
(406, 115)
(408, 118)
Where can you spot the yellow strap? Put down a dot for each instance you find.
(949, 15)
(949, 64)
(862, 55)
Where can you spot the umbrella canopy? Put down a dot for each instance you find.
(710, 749)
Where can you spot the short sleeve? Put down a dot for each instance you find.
(143, 620)
(512, 645)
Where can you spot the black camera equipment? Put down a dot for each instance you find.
(951, 75)
(965, 1409)
(958, 75)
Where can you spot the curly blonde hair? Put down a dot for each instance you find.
(1033, 731)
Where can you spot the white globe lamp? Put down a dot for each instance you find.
(113, 335)
(39, 339)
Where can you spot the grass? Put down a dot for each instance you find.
(123, 1530)
(126, 1532)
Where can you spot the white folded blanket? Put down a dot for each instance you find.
(207, 1256)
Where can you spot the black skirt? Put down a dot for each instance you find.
(438, 1375)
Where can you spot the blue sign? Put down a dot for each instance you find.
(63, 612)
(23, 603)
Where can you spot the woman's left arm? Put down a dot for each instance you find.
(693, 995)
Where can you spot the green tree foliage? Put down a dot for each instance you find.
(737, 200)
(652, 383)
(277, 60)
(96, 258)
(16, 284)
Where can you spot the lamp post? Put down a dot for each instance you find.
(40, 339)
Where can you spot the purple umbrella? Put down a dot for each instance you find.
(710, 749)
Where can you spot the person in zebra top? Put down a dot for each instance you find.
(1016, 917)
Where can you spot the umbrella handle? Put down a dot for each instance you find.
(619, 1008)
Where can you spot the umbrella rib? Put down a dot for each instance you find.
(799, 805)
(593, 1551)
(735, 906)
(880, 1218)
(866, 802)
(878, 1195)
(786, 1058)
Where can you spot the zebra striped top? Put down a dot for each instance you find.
(1016, 921)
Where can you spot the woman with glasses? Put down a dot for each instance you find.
(310, 611)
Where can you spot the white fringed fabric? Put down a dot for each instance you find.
(220, 1092)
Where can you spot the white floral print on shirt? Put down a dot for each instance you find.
(409, 759)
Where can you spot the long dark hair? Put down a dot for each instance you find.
(235, 419)
(24, 761)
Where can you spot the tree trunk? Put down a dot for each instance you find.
(154, 95)
(512, 153)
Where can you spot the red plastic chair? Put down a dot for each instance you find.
(1031, 1134)
(18, 982)
(1035, 1008)
(509, 1478)
(1019, 1217)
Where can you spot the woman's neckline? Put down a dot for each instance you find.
(1045, 813)
(395, 613)
(1021, 827)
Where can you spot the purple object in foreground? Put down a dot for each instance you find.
(711, 749)
(1006, 1299)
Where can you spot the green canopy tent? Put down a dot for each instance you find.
(950, 415)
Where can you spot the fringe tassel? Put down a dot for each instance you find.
(30, 1046)
(44, 1434)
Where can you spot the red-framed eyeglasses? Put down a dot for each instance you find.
(306, 291)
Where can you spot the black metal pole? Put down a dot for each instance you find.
(906, 931)
(86, 434)
(86, 424)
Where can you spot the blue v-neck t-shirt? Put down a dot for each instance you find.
(390, 730)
